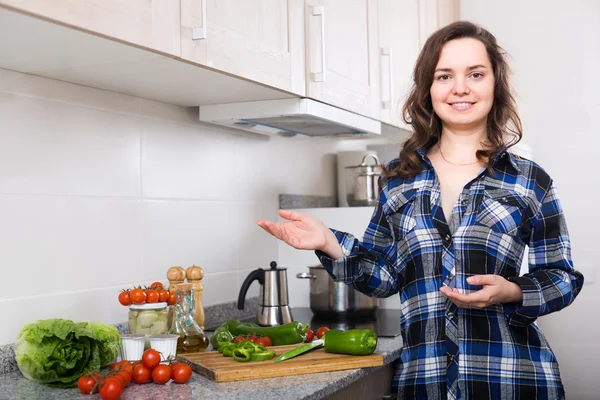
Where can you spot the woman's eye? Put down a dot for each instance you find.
(477, 75)
(443, 77)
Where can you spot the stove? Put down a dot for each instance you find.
(385, 323)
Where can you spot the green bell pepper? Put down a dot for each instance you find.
(291, 333)
(357, 342)
(221, 335)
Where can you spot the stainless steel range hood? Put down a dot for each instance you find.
(289, 117)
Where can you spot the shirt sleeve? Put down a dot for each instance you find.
(552, 283)
(370, 265)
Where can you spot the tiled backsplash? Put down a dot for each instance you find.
(100, 191)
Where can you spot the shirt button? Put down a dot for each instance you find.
(503, 154)
(451, 357)
(447, 238)
(450, 315)
(465, 202)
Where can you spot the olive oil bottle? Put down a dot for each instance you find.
(191, 337)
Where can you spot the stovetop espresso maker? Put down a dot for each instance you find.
(273, 308)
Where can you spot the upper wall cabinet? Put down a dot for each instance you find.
(404, 26)
(261, 40)
(342, 54)
(154, 24)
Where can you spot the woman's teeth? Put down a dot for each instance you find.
(461, 106)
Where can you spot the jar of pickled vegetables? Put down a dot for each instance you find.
(148, 319)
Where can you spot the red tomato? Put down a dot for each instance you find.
(141, 375)
(161, 374)
(120, 365)
(238, 339)
(163, 295)
(151, 358)
(321, 331)
(135, 364)
(137, 296)
(121, 378)
(111, 390)
(265, 341)
(182, 373)
(172, 299)
(124, 298)
(86, 384)
(156, 285)
(310, 335)
(174, 364)
(151, 296)
(252, 338)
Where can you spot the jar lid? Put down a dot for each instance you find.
(147, 306)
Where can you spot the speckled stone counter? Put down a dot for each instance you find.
(311, 386)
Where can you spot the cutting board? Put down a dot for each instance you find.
(217, 367)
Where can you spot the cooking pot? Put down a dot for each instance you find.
(330, 298)
(361, 181)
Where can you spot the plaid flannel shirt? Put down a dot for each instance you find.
(409, 248)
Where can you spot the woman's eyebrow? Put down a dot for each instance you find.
(472, 67)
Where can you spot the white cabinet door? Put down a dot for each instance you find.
(435, 14)
(153, 24)
(342, 52)
(261, 40)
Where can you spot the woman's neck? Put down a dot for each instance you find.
(461, 146)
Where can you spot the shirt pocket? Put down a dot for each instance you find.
(501, 210)
(400, 213)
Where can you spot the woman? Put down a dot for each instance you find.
(455, 212)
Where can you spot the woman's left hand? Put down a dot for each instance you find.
(496, 290)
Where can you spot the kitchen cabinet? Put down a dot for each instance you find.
(404, 26)
(152, 24)
(342, 54)
(260, 40)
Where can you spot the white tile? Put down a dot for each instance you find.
(59, 91)
(52, 244)
(219, 288)
(187, 233)
(54, 148)
(254, 247)
(181, 161)
(157, 110)
(297, 165)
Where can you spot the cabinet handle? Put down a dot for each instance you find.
(387, 52)
(200, 32)
(316, 11)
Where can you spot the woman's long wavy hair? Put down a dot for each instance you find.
(504, 127)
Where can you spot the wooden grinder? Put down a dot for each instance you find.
(176, 275)
(194, 276)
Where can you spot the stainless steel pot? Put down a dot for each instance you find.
(361, 181)
(328, 298)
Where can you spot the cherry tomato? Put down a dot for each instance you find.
(252, 338)
(182, 373)
(86, 384)
(163, 295)
(135, 364)
(238, 339)
(141, 374)
(161, 374)
(321, 331)
(172, 299)
(124, 298)
(151, 358)
(111, 390)
(137, 296)
(121, 378)
(120, 365)
(174, 364)
(156, 285)
(265, 341)
(310, 335)
(151, 296)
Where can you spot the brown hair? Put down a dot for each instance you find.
(503, 120)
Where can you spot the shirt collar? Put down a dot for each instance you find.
(500, 157)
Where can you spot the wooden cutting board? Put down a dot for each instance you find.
(219, 368)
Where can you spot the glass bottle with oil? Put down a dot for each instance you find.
(191, 337)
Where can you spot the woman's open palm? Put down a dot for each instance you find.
(301, 231)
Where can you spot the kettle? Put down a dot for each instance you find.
(273, 308)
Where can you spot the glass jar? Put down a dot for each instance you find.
(148, 319)
(191, 337)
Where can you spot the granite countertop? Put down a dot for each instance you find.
(311, 386)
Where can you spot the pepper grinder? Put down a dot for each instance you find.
(194, 276)
(175, 275)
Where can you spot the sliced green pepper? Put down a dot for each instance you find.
(227, 349)
(357, 342)
(262, 355)
(242, 354)
(291, 333)
(221, 335)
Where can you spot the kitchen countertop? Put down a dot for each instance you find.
(311, 386)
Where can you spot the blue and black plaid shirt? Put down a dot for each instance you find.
(409, 248)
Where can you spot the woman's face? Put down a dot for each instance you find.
(462, 91)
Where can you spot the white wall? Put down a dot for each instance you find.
(101, 191)
(555, 54)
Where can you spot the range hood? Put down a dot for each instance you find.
(288, 117)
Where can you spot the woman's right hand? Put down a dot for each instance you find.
(304, 232)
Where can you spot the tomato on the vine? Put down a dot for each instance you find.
(156, 285)
(181, 373)
(238, 339)
(172, 299)
(163, 295)
(111, 389)
(124, 298)
(141, 374)
(137, 296)
(161, 374)
(265, 341)
(150, 358)
(321, 331)
(310, 335)
(151, 296)
(86, 384)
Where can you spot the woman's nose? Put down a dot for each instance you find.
(460, 87)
